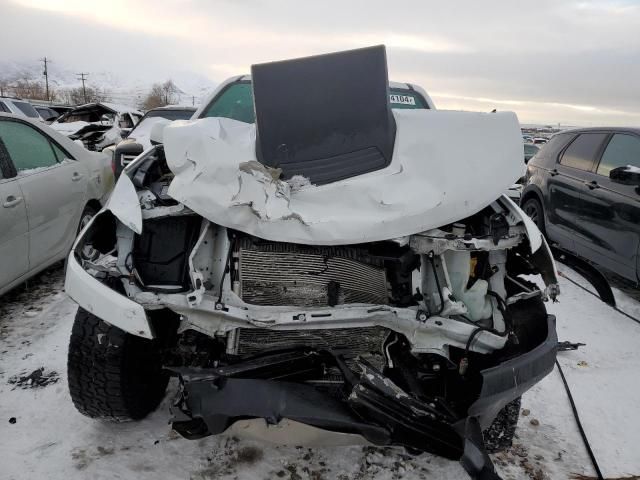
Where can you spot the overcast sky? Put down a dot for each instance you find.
(574, 62)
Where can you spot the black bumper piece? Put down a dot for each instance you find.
(210, 401)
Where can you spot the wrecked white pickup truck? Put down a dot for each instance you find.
(342, 270)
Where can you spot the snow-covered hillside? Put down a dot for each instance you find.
(128, 90)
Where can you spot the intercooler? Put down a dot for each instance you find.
(273, 273)
(357, 340)
(364, 342)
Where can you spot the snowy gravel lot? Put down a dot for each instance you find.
(42, 435)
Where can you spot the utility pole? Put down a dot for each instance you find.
(46, 76)
(84, 90)
(193, 101)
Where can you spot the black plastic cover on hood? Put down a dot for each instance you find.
(325, 117)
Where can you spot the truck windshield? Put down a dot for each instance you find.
(236, 102)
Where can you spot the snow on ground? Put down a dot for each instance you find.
(42, 435)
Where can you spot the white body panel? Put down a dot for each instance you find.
(105, 303)
(439, 158)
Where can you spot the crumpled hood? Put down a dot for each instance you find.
(69, 128)
(446, 165)
(142, 133)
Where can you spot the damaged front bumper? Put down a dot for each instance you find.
(212, 401)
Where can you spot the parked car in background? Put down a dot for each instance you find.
(583, 190)
(46, 113)
(514, 192)
(140, 135)
(19, 107)
(529, 151)
(98, 125)
(540, 140)
(49, 188)
(61, 109)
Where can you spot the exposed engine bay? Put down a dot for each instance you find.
(416, 318)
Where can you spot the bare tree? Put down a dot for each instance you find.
(4, 87)
(75, 96)
(161, 94)
(27, 88)
(170, 90)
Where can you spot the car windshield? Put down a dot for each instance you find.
(174, 114)
(236, 102)
(27, 109)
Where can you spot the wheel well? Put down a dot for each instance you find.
(529, 195)
(95, 204)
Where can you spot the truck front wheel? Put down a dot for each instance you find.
(112, 374)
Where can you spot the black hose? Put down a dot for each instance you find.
(570, 396)
(630, 317)
(435, 274)
(582, 433)
(502, 306)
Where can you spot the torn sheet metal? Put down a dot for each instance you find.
(124, 204)
(446, 166)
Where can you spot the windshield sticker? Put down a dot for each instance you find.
(402, 99)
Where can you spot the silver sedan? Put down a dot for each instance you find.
(49, 189)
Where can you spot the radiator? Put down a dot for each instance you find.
(272, 273)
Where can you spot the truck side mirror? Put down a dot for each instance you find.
(156, 136)
(628, 175)
(124, 154)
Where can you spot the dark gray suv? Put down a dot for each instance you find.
(583, 191)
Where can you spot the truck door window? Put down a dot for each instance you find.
(621, 151)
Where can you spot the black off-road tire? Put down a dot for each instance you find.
(112, 374)
(499, 435)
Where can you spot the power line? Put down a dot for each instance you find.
(83, 76)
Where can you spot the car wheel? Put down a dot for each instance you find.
(499, 435)
(87, 214)
(534, 210)
(112, 374)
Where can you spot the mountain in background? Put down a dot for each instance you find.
(131, 90)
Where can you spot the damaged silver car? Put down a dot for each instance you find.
(339, 269)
